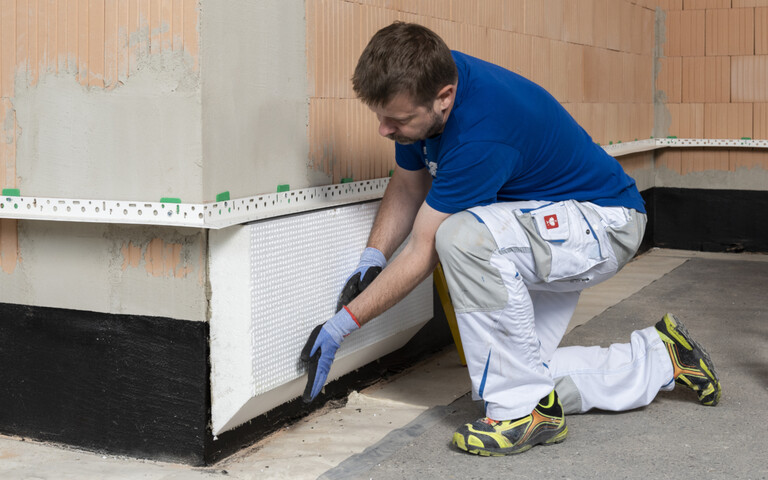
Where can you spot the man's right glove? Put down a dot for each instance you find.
(320, 350)
(372, 261)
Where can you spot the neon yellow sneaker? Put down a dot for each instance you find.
(486, 437)
(692, 366)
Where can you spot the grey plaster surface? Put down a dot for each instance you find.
(725, 307)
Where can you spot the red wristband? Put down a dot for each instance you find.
(353, 316)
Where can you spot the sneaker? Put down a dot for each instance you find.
(486, 437)
(692, 366)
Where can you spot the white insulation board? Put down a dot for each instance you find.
(284, 275)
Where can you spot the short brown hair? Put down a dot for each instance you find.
(403, 58)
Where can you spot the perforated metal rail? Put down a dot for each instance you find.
(226, 213)
(201, 215)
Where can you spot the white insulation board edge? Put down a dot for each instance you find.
(272, 282)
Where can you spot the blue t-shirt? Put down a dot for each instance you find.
(508, 139)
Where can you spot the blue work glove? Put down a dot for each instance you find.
(372, 261)
(319, 351)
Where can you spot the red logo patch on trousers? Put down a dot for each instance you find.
(551, 222)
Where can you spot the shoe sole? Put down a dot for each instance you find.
(699, 354)
(458, 441)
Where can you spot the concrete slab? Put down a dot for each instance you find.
(25, 460)
(327, 438)
(402, 428)
(317, 443)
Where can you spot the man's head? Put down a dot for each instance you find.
(407, 76)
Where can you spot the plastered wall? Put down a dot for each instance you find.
(595, 56)
(713, 83)
(121, 269)
(102, 99)
(254, 97)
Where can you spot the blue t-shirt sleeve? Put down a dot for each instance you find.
(472, 175)
(408, 156)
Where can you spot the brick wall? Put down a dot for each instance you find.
(712, 81)
(595, 56)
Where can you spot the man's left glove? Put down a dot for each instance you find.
(320, 350)
(372, 261)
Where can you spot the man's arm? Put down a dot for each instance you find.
(417, 260)
(404, 195)
(399, 214)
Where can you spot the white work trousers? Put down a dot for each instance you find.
(515, 272)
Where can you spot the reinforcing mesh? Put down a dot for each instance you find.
(299, 264)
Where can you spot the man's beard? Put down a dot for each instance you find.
(434, 128)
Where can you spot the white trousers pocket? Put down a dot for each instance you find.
(563, 241)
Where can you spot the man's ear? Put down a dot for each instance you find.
(446, 96)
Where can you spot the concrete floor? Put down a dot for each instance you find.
(402, 428)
